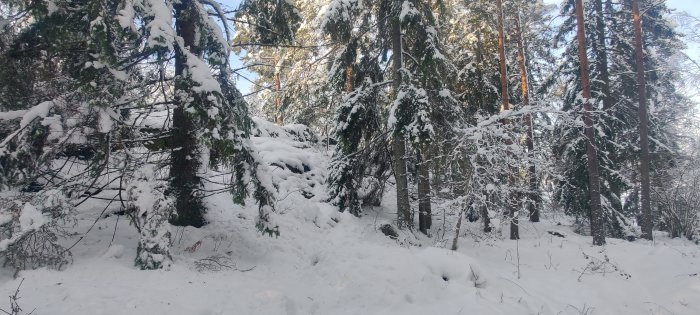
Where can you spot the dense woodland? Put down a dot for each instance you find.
(505, 110)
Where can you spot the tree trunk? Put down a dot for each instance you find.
(455, 244)
(438, 163)
(185, 154)
(602, 55)
(647, 221)
(502, 57)
(514, 233)
(349, 79)
(279, 119)
(597, 224)
(484, 211)
(399, 145)
(424, 210)
(533, 209)
(479, 73)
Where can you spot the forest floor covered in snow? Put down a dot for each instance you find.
(325, 262)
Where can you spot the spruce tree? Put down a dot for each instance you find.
(471, 41)
(108, 70)
(613, 61)
(359, 159)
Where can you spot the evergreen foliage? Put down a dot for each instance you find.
(617, 130)
(102, 66)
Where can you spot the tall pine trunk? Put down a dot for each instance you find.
(533, 209)
(597, 225)
(647, 221)
(425, 219)
(514, 232)
(185, 153)
(403, 208)
(602, 54)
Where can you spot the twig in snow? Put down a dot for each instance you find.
(218, 263)
(14, 305)
(585, 310)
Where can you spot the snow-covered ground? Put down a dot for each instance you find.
(325, 262)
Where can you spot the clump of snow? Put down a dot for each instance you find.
(13, 114)
(114, 252)
(201, 74)
(5, 218)
(294, 161)
(407, 10)
(31, 219)
(39, 111)
(51, 7)
(55, 127)
(160, 29)
(126, 15)
(338, 12)
(105, 120)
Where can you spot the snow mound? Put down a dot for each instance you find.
(296, 163)
(452, 266)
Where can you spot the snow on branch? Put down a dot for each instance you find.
(39, 111)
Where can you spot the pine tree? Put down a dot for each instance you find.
(613, 54)
(573, 192)
(597, 225)
(505, 106)
(660, 43)
(647, 220)
(533, 54)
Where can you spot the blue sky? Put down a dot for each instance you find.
(692, 7)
